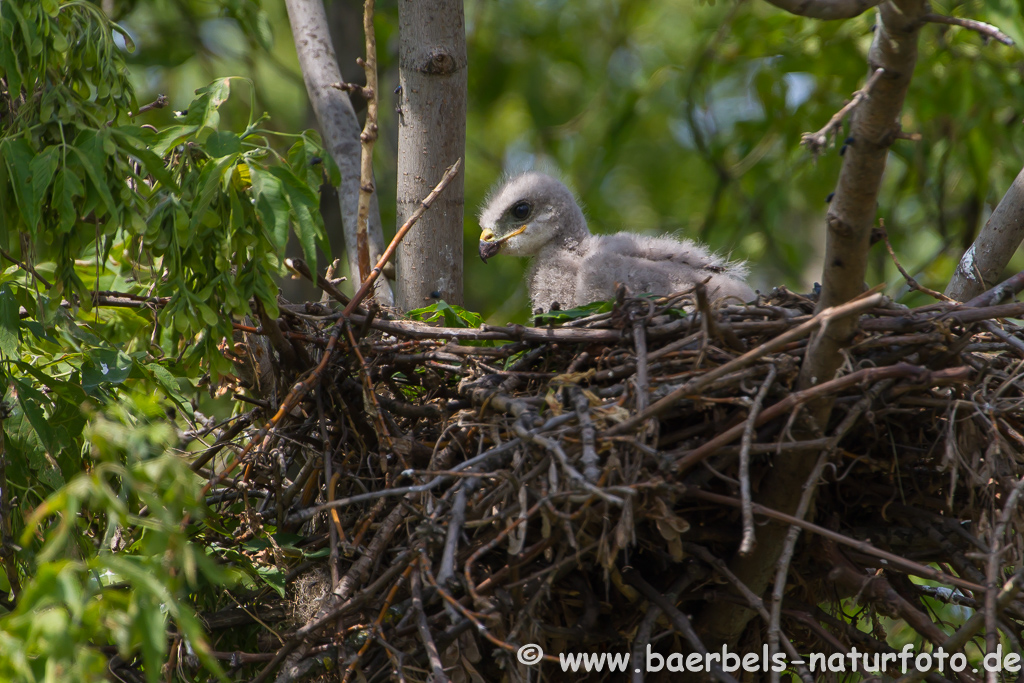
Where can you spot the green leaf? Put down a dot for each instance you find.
(32, 402)
(171, 137)
(42, 168)
(202, 112)
(10, 324)
(105, 366)
(92, 161)
(557, 317)
(305, 205)
(66, 187)
(222, 143)
(209, 181)
(271, 204)
(453, 316)
(170, 386)
(153, 163)
(18, 156)
(273, 577)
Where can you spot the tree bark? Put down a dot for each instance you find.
(851, 216)
(338, 124)
(982, 265)
(431, 137)
(854, 208)
(826, 9)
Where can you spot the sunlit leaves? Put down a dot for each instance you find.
(189, 221)
(128, 598)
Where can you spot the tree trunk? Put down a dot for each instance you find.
(983, 264)
(851, 216)
(338, 124)
(431, 137)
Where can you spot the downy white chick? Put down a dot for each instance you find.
(535, 215)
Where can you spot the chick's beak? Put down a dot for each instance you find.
(488, 245)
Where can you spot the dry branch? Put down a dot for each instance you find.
(986, 30)
(983, 263)
(337, 119)
(826, 9)
(367, 138)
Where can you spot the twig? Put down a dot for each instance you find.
(159, 103)
(911, 282)
(963, 634)
(748, 542)
(367, 138)
(989, 254)
(388, 601)
(1007, 289)
(782, 566)
(300, 267)
(906, 565)
(589, 458)
(695, 385)
(424, 630)
(448, 176)
(816, 142)
(993, 566)
(26, 267)
(678, 619)
(342, 598)
(986, 30)
(754, 601)
(337, 119)
(817, 391)
(481, 460)
(643, 633)
(640, 343)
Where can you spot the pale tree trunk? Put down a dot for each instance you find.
(983, 264)
(431, 137)
(851, 216)
(338, 124)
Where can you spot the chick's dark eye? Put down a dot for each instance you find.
(521, 210)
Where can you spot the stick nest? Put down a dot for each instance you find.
(562, 486)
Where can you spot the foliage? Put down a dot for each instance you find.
(117, 565)
(449, 315)
(187, 222)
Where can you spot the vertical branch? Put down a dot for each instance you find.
(337, 120)
(982, 265)
(367, 138)
(851, 215)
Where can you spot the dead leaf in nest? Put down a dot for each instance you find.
(612, 413)
(671, 527)
(554, 405)
(573, 377)
(627, 591)
(625, 530)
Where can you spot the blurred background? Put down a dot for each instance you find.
(665, 116)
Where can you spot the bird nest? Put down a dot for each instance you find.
(604, 482)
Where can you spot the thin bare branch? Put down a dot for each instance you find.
(983, 263)
(816, 142)
(826, 9)
(367, 138)
(986, 30)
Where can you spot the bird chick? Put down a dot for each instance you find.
(536, 216)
